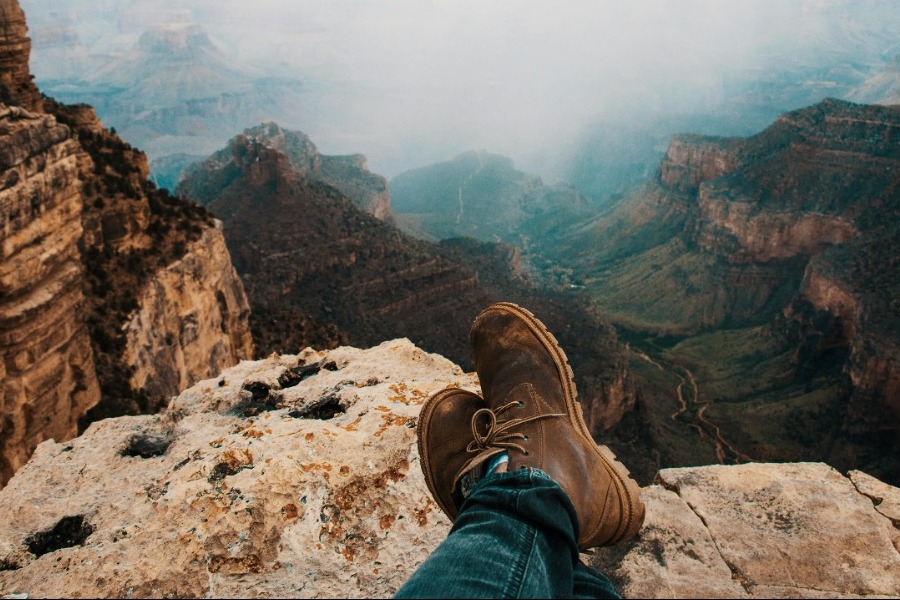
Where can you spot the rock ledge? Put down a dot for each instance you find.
(298, 475)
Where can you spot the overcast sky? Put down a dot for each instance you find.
(506, 75)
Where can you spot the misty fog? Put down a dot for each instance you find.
(413, 82)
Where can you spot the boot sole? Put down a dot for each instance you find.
(625, 485)
(422, 426)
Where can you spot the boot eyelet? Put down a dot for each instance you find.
(521, 404)
(525, 438)
(526, 453)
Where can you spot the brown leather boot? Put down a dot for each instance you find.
(450, 459)
(529, 389)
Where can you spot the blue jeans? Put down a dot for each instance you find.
(516, 536)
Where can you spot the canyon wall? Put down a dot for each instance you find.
(759, 275)
(92, 253)
(48, 377)
(325, 271)
(692, 159)
(299, 476)
(191, 321)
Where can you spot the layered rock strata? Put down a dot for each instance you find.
(299, 476)
(48, 377)
(165, 306)
(758, 276)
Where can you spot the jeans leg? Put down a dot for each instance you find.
(591, 583)
(515, 537)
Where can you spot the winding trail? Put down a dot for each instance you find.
(692, 412)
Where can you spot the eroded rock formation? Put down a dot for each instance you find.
(191, 321)
(299, 475)
(758, 277)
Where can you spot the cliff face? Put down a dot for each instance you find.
(89, 249)
(691, 159)
(46, 362)
(143, 248)
(191, 321)
(299, 475)
(856, 286)
(757, 276)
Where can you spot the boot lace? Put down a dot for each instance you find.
(492, 436)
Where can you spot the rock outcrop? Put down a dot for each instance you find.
(47, 375)
(796, 530)
(299, 475)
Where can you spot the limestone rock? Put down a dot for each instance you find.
(788, 530)
(884, 497)
(82, 232)
(299, 475)
(291, 476)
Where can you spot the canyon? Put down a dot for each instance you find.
(89, 249)
(753, 278)
(765, 269)
(740, 308)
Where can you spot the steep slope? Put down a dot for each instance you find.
(773, 254)
(316, 490)
(114, 295)
(164, 304)
(16, 84)
(319, 271)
